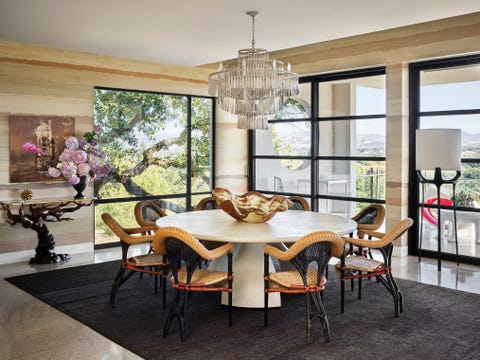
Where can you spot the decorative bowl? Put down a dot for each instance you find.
(251, 207)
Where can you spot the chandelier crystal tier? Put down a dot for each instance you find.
(252, 86)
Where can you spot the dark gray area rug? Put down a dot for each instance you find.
(438, 323)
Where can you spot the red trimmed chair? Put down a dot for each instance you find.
(208, 203)
(357, 266)
(316, 248)
(298, 203)
(147, 212)
(154, 262)
(185, 253)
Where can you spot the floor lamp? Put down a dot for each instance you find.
(438, 150)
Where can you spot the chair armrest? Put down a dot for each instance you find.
(275, 252)
(376, 234)
(140, 230)
(364, 243)
(220, 251)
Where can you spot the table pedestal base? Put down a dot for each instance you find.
(248, 284)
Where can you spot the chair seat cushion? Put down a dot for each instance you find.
(292, 280)
(361, 263)
(201, 279)
(146, 260)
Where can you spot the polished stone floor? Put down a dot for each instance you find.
(31, 329)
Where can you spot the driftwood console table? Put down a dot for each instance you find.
(34, 214)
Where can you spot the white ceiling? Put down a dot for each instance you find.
(196, 32)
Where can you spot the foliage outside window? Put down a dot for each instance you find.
(161, 146)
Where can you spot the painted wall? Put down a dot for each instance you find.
(42, 81)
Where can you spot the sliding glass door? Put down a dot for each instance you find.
(445, 94)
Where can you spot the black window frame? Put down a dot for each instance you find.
(415, 114)
(188, 194)
(314, 157)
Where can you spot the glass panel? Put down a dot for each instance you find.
(362, 179)
(285, 139)
(450, 89)
(122, 212)
(364, 137)
(343, 208)
(271, 175)
(298, 106)
(357, 96)
(143, 136)
(468, 231)
(469, 124)
(201, 144)
(467, 192)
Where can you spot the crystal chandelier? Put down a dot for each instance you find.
(252, 86)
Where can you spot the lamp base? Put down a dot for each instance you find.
(438, 181)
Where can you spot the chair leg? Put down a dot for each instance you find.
(316, 309)
(359, 285)
(397, 296)
(230, 309)
(265, 310)
(164, 290)
(120, 279)
(178, 308)
(116, 285)
(342, 295)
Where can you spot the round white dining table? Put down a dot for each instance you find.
(248, 238)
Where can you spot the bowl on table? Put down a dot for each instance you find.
(251, 207)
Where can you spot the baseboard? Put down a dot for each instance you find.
(26, 255)
(400, 251)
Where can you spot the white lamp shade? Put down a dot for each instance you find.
(438, 148)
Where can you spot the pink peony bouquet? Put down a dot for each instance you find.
(81, 158)
(31, 147)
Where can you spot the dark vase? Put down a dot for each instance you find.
(80, 187)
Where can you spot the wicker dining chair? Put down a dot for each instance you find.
(153, 262)
(298, 203)
(357, 266)
(371, 218)
(208, 203)
(147, 212)
(185, 253)
(316, 247)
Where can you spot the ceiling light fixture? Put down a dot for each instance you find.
(252, 86)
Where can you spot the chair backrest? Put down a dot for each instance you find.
(208, 203)
(182, 247)
(315, 247)
(318, 253)
(298, 203)
(370, 218)
(147, 212)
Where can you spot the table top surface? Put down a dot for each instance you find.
(285, 226)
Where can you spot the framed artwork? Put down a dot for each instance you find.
(47, 133)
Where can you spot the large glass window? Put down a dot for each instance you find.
(160, 146)
(327, 144)
(445, 95)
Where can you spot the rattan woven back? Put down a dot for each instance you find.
(208, 203)
(299, 203)
(147, 212)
